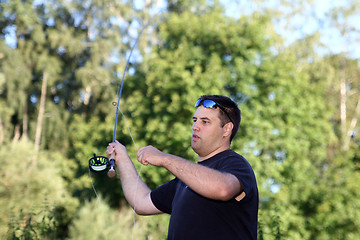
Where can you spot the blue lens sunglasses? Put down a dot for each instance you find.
(211, 104)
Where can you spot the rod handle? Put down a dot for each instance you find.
(111, 173)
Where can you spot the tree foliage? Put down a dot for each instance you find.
(29, 193)
(60, 74)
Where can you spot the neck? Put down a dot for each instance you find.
(219, 150)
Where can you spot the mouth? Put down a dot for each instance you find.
(195, 137)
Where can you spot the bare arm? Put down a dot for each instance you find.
(205, 181)
(136, 191)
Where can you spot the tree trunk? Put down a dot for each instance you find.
(16, 133)
(25, 122)
(41, 112)
(353, 124)
(1, 131)
(343, 108)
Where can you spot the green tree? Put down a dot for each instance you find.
(196, 55)
(336, 172)
(286, 123)
(29, 193)
(13, 87)
(96, 220)
(62, 72)
(61, 63)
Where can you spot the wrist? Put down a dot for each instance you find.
(166, 160)
(121, 157)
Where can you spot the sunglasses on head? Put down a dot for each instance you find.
(211, 104)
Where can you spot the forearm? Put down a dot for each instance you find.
(135, 190)
(205, 181)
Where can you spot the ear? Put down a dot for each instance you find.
(228, 129)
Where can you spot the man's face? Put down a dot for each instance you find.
(207, 134)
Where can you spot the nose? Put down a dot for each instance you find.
(195, 126)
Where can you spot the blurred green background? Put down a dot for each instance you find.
(293, 70)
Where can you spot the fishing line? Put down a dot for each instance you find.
(117, 114)
(98, 198)
(137, 181)
(98, 162)
(125, 70)
(136, 186)
(123, 76)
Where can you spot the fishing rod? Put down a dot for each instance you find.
(102, 163)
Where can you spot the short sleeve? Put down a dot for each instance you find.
(242, 170)
(162, 197)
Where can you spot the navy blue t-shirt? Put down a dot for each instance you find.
(196, 217)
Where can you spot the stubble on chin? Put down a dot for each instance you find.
(195, 146)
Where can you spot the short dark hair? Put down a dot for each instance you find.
(231, 109)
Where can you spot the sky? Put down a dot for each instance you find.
(314, 20)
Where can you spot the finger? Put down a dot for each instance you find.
(140, 153)
(139, 157)
(109, 151)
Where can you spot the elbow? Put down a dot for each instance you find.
(224, 193)
(139, 212)
(228, 189)
(146, 213)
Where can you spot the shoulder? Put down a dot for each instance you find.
(227, 159)
(232, 156)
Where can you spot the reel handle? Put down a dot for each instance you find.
(111, 173)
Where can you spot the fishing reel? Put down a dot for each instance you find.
(101, 163)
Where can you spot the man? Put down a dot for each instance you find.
(216, 198)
